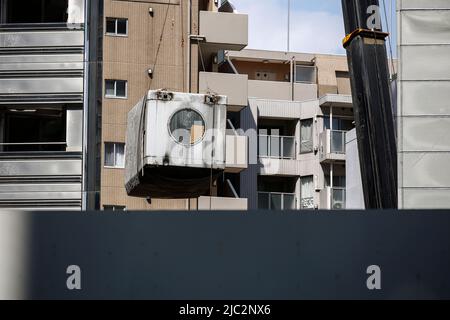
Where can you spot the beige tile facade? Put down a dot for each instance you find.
(157, 38)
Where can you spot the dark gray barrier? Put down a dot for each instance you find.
(251, 255)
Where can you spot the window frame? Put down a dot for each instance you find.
(171, 132)
(313, 79)
(115, 96)
(115, 166)
(115, 33)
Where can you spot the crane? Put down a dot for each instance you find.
(369, 75)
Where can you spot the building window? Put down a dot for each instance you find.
(116, 27)
(42, 11)
(307, 192)
(339, 124)
(33, 129)
(338, 181)
(306, 136)
(116, 89)
(114, 208)
(114, 155)
(187, 127)
(305, 74)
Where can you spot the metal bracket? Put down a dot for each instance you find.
(164, 95)
(197, 37)
(211, 99)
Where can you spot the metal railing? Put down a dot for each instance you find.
(28, 146)
(337, 141)
(277, 147)
(41, 26)
(276, 201)
(338, 198)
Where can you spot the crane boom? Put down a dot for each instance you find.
(369, 73)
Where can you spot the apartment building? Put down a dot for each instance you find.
(299, 110)
(178, 46)
(42, 98)
(298, 105)
(287, 113)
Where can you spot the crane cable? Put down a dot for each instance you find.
(214, 119)
(141, 141)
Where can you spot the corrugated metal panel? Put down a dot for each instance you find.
(42, 64)
(41, 39)
(424, 86)
(42, 183)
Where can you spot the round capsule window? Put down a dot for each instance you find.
(187, 127)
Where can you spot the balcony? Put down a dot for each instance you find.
(234, 86)
(277, 155)
(332, 198)
(221, 203)
(224, 31)
(276, 201)
(276, 147)
(236, 153)
(332, 146)
(281, 90)
(336, 100)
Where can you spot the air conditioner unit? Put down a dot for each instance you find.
(175, 144)
(338, 205)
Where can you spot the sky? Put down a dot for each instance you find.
(317, 26)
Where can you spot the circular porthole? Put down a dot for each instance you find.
(187, 127)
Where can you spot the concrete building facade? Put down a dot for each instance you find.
(299, 111)
(43, 58)
(287, 113)
(170, 44)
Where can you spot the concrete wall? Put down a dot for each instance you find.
(231, 256)
(354, 190)
(222, 203)
(227, 30)
(327, 66)
(281, 90)
(233, 86)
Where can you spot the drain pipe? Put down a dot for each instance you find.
(86, 92)
(292, 77)
(188, 62)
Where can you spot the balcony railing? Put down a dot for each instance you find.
(278, 147)
(332, 145)
(276, 201)
(32, 146)
(337, 139)
(338, 198)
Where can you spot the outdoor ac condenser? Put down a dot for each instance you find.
(175, 144)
